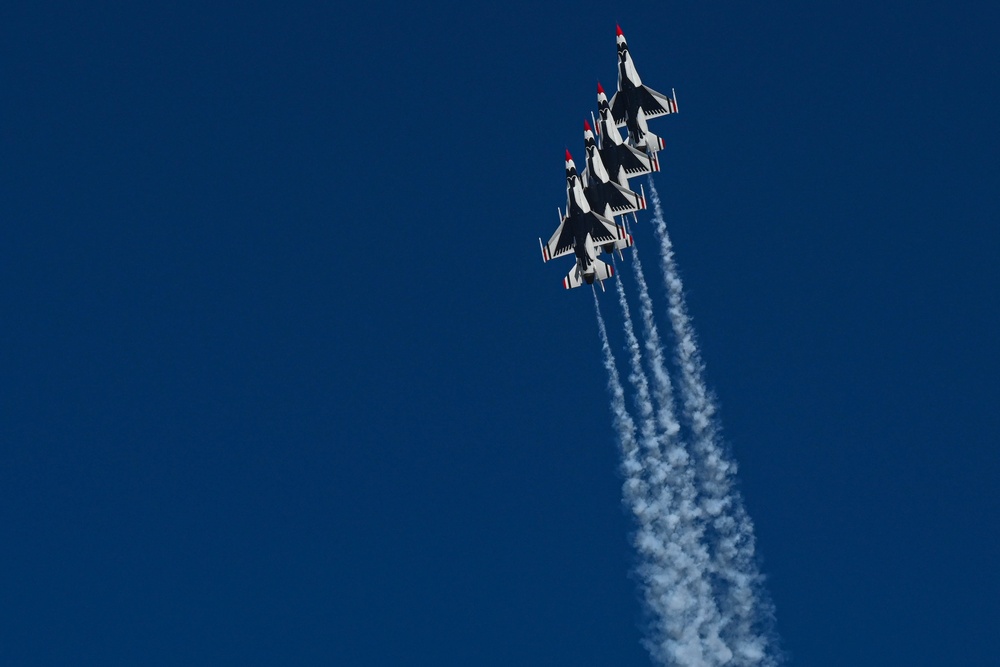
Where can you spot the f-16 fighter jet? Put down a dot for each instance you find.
(585, 233)
(605, 195)
(621, 160)
(635, 103)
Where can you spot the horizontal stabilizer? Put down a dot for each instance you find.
(626, 241)
(651, 144)
(598, 271)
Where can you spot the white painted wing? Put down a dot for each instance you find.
(656, 104)
(561, 243)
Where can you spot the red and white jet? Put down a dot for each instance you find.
(606, 196)
(584, 233)
(635, 103)
(621, 160)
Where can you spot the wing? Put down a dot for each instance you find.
(619, 108)
(633, 161)
(561, 243)
(655, 104)
(620, 200)
(601, 229)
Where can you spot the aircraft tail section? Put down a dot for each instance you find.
(653, 144)
(599, 271)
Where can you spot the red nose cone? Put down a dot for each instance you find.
(600, 88)
(586, 126)
(568, 156)
(619, 29)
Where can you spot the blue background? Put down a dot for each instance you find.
(283, 379)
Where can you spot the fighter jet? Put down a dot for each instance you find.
(605, 195)
(585, 233)
(621, 160)
(635, 103)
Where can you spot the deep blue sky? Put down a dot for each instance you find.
(283, 379)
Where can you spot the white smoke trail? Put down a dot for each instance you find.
(684, 624)
(680, 478)
(669, 643)
(666, 413)
(746, 608)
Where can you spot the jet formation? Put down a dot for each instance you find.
(601, 193)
